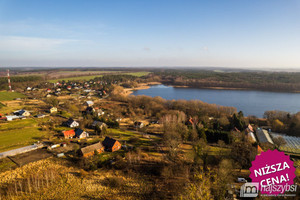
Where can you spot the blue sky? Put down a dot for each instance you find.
(232, 33)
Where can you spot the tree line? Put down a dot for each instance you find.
(268, 81)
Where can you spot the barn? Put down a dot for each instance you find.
(90, 150)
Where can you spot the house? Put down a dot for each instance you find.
(89, 103)
(111, 144)
(79, 133)
(251, 137)
(22, 113)
(69, 87)
(48, 95)
(98, 123)
(28, 88)
(249, 128)
(263, 136)
(89, 110)
(71, 123)
(138, 124)
(69, 134)
(90, 150)
(53, 110)
(48, 90)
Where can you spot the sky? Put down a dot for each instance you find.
(248, 34)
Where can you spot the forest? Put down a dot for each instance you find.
(250, 80)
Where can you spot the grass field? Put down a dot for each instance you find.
(138, 74)
(19, 133)
(86, 78)
(8, 96)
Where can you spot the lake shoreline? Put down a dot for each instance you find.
(251, 102)
(144, 86)
(141, 86)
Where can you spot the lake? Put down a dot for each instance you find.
(250, 102)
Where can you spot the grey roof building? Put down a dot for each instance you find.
(263, 136)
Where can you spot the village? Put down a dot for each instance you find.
(95, 125)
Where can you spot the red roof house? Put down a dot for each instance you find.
(69, 134)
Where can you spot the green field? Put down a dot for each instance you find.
(137, 74)
(87, 78)
(8, 96)
(19, 133)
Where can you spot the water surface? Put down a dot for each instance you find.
(250, 102)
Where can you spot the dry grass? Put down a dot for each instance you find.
(69, 182)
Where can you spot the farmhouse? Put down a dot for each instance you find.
(111, 144)
(69, 134)
(90, 150)
(79, 133)
(22, 113)
(71, 123)
(53, 110)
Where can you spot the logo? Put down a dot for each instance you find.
(249, 189)
(274, 171)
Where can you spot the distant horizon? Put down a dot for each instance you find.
(210, 68)
(236, 34)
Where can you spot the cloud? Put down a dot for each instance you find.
(18, 43)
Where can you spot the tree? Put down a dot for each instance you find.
(223, 179)
(202, 135)
(238, 121)
(277, 125)
(97, 130)
(52, 101)
(201, 151)
(243, 153)
(199, 188)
